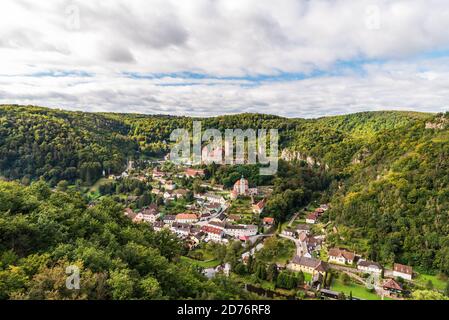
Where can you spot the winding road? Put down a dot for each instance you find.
(301, 247)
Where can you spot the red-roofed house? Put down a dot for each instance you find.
(268, 221)
(213, 234)
(186, 218)
(341, 256)
(312, 218)
(158, 174)
(130, 214)
(192, 173)
(402, 271)
(392, 286)
(258, 207)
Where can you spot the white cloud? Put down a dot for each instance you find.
(225, 38)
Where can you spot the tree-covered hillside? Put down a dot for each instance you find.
(43, 232)
(53, 144)
(384, 173)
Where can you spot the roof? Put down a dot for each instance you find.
(302, 236)
(392, 284)
(181, 191)
(304, 227)
(213, 196)
(209, 229)
(313, 241)
(170, 217)
(181, 226)
(158, 224)
(312, 216)
(369, 264)
(260, 204)
(151, 210)
(191, 171)
(130, 213)
(336, 252)
(268, 220)
(403, 268)
(310, 262)
(186, 216)
(217, 224)
(319, 210)
(235, 227)
(213, 205)
(221, 217)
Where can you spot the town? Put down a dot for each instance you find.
(208, 216)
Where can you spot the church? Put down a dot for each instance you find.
(241, 188)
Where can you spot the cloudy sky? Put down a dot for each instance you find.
(295, 58)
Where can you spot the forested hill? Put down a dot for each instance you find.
(389, 171)
(53, 144)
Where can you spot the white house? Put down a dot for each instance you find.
(289, 232)
(169, 185)
(150, 214)
(158, 225)
(341, 256)
(181, 229)
(213, 234)
(168, 195)
(303, 228)
(258, 207)
(402, 271)
(238, 231)
(169, 219)
(186, 218)
(312, 218)
(213, 198)
(369, 267)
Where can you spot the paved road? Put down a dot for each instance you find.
(295, 216)
(301, 247)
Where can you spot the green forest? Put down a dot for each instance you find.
(384, 174)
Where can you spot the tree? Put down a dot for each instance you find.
(123, 285)
(240, 268)
(12, 281)
(345, 279)
(62, 185)
(189, 196)
(428, 295)
(272, 272)
(151, 288)
(261, 271)
(446, 289)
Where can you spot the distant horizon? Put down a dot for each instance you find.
(218, 115)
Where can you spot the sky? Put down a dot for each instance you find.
(293, 58)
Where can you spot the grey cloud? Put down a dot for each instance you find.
(119, 54)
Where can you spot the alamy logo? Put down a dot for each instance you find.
(238, 147)
(73, 280)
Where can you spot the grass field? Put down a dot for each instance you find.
(358, 291)
(438, 284)
(202, 264)
(277, 250)
(97, 184)
(242, 207)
